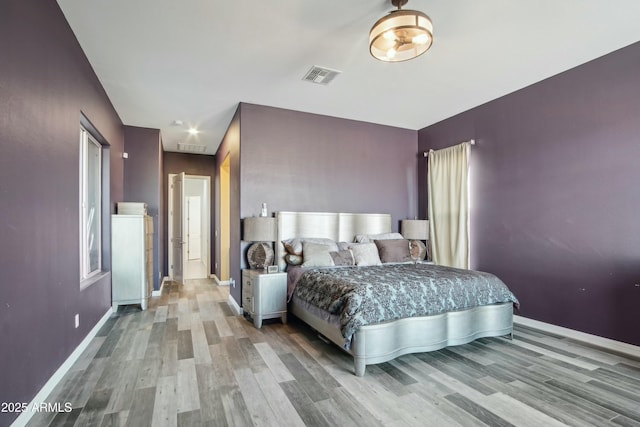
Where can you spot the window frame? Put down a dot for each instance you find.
(86, 272)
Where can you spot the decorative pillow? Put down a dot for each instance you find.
(418, 249)
(342, 257)
(369, 238)
(294, 245)
(365, 254)
(344, 246)
(293, 259)
(393, 250)
(316, 254)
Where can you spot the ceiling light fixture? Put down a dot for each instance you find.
(401, 35)
(193, 131)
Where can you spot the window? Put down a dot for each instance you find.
(90, 205)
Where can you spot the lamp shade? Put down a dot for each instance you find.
(259, 229)
(401, 35)
(417, 229)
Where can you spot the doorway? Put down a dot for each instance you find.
(225, 218)
(194, 221)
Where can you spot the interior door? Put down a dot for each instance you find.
(194, 235)
(178, 246)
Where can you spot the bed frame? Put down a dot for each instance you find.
(381, 342)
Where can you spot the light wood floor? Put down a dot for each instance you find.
(189, 361)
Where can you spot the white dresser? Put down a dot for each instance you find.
(131, 260)
(264, 296)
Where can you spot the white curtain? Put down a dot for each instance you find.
(448, 191)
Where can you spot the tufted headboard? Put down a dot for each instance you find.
(337, 226)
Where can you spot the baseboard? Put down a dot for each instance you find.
(157, 293)
(46, 390)
(222, 282)
(234, 306)
(592, 340)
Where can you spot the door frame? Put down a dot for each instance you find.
(207, 208)
(223, 238)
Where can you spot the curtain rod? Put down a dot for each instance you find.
(471, 141)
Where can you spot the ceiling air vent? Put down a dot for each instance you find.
(192, 148)
(320, 75)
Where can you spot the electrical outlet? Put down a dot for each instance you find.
(77, 320)
(233, 282)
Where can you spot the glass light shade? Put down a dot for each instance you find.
(400, 36)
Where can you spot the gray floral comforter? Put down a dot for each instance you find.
(375, 294)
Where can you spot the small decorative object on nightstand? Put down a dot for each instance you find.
(264, 296)
(416, 230)
(261, 230)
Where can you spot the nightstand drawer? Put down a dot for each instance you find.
(247, 303)
(247, 292)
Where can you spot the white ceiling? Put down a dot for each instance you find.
(195, 60)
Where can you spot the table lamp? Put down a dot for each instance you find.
(261, 231)
(416, 230)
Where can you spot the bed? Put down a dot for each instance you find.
(376, 342)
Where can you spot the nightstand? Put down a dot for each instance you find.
(264, 296)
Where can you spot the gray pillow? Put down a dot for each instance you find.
(343, 246)
(393, 250)
(342, 257)
(294, 245)
(293, 259)
(369, 238)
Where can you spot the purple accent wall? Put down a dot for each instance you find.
(191, 164)
(143, 183)
(297, 161)
(45, 84)
(555, 198)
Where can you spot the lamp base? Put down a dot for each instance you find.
(260, 255)
(417, 250)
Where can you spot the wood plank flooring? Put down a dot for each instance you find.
(188, 361)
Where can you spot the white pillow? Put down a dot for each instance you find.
(365, 254)
(316, 255)
(369, 238)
